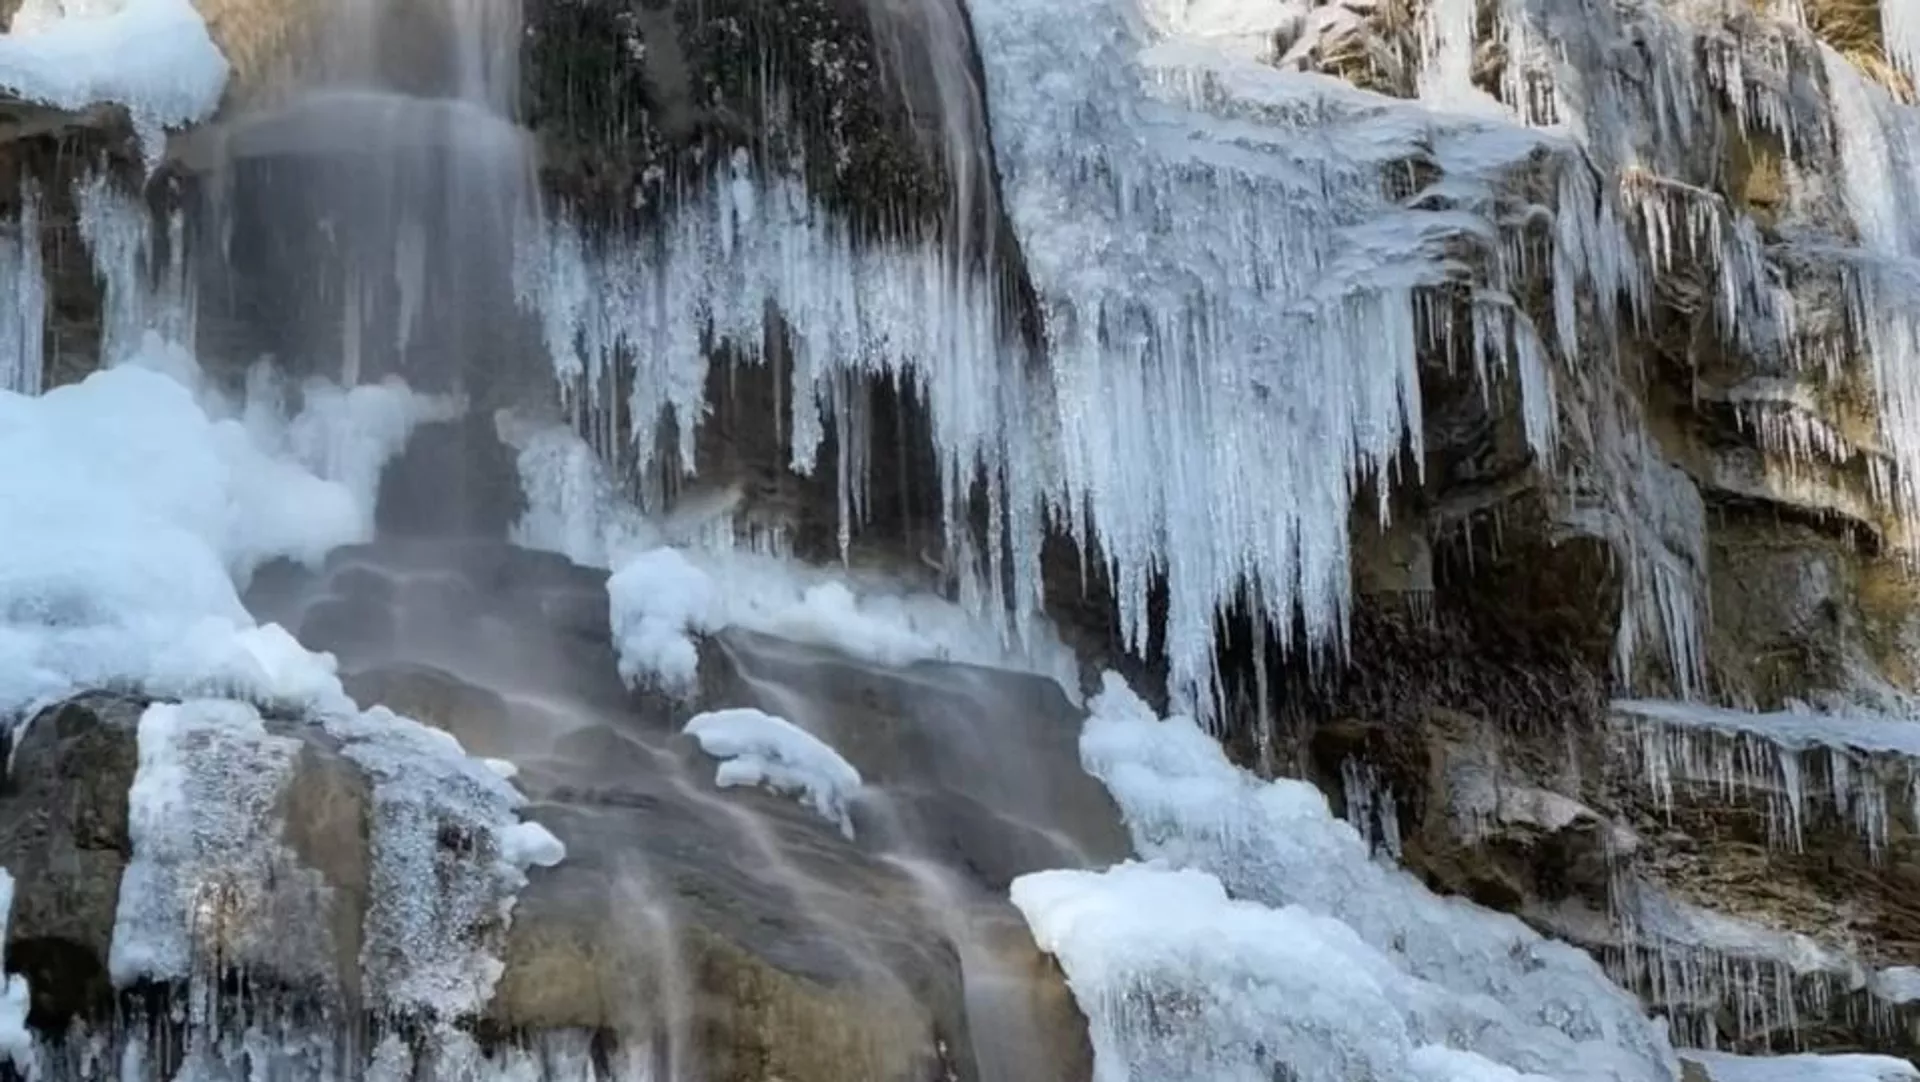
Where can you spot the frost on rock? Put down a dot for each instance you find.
(154, 57)
(756, 748)
(1455, 974)
(449, 856)
(1859, 766)
(209, 877)
(16, 1041)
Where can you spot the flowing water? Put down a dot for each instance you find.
(972, 778)
(373, 208)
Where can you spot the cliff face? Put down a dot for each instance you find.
(1632, 657)
(1748, 868)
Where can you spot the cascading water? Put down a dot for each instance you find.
(376, 206)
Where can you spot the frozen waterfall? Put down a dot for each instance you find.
(480, 600)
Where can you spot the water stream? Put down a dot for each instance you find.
(972, 779)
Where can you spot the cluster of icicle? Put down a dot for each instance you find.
(1234, 310)
(1725, 982)
(1235, 304)
(1862, 769)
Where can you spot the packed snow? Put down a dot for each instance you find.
(659, 600)
(1141, 940)
(154, 57)
(756, 748)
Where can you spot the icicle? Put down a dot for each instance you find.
(1371, 808)
(118, 230)
(1900, 26)
(23, 313)
(1864, 765)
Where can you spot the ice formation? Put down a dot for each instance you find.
(142, 512)
(1304, 887)
(1879, 169)
(1723, 979)
(139, 293)
(1809, 1068)
(1181, 983)
(1244, 283)
(153, 57)
(756, 748)
(23, 315)
(203, 822)
(1861, 766)
(16, 1041)
(675, 579)
(444, 819)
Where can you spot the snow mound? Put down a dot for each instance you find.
(657, 602)
(1302, 882)
(144, 510)
(154, 57)
(757, 748)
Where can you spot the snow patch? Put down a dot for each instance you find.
(154, 57)
(1303, 882)
(145, 510)
(756, 748)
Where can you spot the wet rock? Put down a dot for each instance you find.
(477, 717)
(63, 837)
